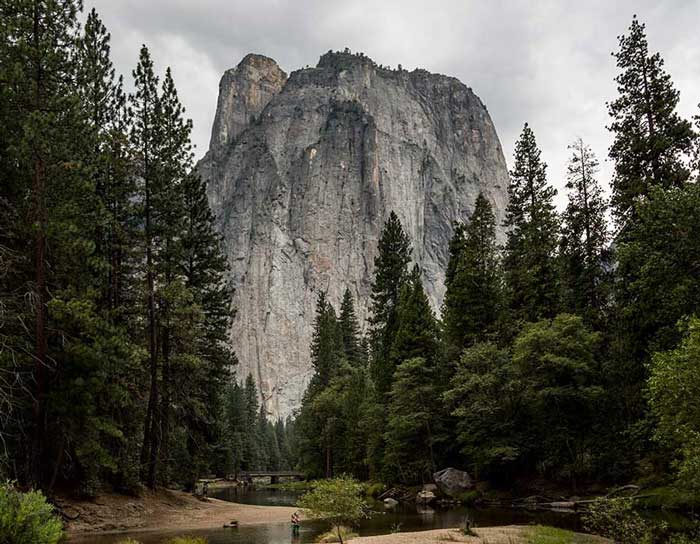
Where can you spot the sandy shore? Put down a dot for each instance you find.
(172, 509)
(486, 535)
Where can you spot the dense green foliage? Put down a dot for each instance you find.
(337, 501)
(529, 261)
(473, 301)
(115, 305)
(539, 366)
(674, 387)
(26, 518)
(250, 441)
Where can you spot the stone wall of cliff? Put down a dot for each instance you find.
(302, 173)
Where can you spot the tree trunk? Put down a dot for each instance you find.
(40, 220)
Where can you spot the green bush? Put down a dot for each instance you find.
(187, 540)
(470, 497)
(26, 518)
(616, 519)
(374, 489)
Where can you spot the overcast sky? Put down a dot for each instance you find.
(547, 63)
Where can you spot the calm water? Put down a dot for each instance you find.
(403, 518)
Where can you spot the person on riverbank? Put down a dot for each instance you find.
(295, 524)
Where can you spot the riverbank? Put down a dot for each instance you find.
(484, 535)
(176, 510)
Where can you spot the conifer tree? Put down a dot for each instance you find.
(43, 134)
(417, 331)
(146, 142)
(584, 238)
(326, 344)
(390, 271)
(650, 137)
(413, 415)
(473, 296)
(350, 331)
(529, 262)
(253, 456)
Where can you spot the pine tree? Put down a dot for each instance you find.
(650, 138)
(253, 456)
(145, 105)
(350, 331)
(411, 436)
(584, 238)
(44, 134)
(326, 344)
(530, 253)
(417, 331)
(390, 271)
(473, 296)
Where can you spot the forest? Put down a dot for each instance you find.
(567, 353)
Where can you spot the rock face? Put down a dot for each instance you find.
(303, 171)
(453, 482)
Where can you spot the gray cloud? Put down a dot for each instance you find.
(544, 62)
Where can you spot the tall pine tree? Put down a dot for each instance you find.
(584, 238)
(650, 137)
(390, 272)
(530, 253)
(473, 296)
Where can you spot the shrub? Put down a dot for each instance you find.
(616, 519)
(346, 533)
(337, 501)
(187, 540)
(26, 518)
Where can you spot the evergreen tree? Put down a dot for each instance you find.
(584, 238)
(326, 344)
(44, 132)
(413, 414)
(350, 331)
(390, 271)
(650, 138)
(145, 105)
(530, 252)
(416, 331)
(473, 296)
(253, 456)
(455, 251)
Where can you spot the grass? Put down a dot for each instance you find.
(541, 534)
(332, 535)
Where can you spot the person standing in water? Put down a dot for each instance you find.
(295, 523)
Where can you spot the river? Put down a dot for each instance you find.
(406, 517)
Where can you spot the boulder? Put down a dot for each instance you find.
(431, 487)
(453, 482)
(390, 503)
(425, 497)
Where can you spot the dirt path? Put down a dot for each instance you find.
(172, 509)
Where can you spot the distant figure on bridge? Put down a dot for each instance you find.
(295, 524)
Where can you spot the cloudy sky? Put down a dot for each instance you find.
(544, 62)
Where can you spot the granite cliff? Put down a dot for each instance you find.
(302, 172)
